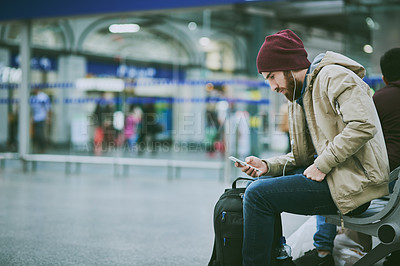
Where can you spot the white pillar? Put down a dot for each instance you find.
(189, 117)
(70, 68)
(4, 62)
(24, 89)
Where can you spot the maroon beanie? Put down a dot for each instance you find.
(282, 51)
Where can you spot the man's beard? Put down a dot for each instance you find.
(290, 87)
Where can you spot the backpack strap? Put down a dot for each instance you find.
(213, 256)
(243, 178)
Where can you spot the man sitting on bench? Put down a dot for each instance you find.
(387, 104)
(333, 128)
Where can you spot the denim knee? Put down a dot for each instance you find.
(255, 199)
(251, 194)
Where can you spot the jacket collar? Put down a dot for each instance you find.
(303, 89)
(317, 60)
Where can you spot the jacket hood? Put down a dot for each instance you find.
(332, 58)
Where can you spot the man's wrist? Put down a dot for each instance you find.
(266, 166)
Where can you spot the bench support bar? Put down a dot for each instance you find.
(377, 253)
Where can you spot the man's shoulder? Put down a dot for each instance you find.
(334, 69)
(334, 72)
(387, 91)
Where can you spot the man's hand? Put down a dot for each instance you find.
(313, 173)
(255, 162)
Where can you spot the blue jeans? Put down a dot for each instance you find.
(38, 134)
(265, 199)
(325, 235)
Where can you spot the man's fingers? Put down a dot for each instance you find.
(249, 159)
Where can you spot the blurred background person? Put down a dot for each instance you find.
(40, 106)
(148, 129)
(216, 113)
(101, 115)
(12, 142)
(132, 122)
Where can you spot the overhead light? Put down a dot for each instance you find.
(192, 26)
(204, 41)
(373, 25)
(368, 49)
(124, 28)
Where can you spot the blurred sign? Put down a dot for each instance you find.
(124, 71)
(10, 74)
(100, 84)
(102, 69)
(38, 63)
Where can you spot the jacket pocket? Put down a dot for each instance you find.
(360, 166)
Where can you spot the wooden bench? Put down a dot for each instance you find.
(382, 220)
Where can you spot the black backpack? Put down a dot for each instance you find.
(228, 227)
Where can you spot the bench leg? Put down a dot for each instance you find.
(170, 174)
(78, 168)
(67, 168)
(177, 172)
(34, 166)
(24, 165)
(377, 253)
(126, 170)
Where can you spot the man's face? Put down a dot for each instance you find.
(282, 82)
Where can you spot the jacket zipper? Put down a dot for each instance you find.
(360, 166)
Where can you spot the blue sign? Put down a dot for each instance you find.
(129, 71)
(38, 63)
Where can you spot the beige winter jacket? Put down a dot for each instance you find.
(343, 128)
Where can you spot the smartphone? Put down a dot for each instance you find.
(243, 163)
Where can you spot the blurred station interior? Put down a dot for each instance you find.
(183, 72)
(193, 64)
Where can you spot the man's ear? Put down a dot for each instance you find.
(385, 80)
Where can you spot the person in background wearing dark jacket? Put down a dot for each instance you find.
(387, 103)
